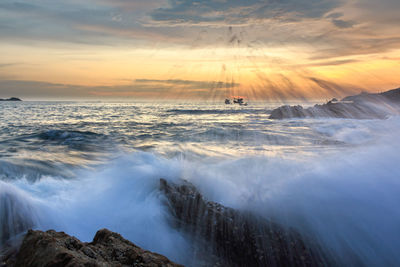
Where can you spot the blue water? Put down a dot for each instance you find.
(79, 167)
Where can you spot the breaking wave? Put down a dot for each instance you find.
(348, 202)
(346, 199)
(218, 111)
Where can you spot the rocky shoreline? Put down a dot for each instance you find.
(233, 238)
(53, 248)
(221, 236)
(362, 106)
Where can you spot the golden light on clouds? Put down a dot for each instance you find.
(318, 50)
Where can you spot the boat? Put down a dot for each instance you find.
(239, 100)
(236, 100)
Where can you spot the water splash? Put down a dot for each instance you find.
(17, 213)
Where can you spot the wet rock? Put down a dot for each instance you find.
(391, 96)
(288, 112)
(8, 252)
(362, 106)
(238, 238)
(59, 249)
(332, 110)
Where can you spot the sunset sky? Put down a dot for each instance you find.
(263, 50)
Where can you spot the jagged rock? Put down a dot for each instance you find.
(331, 110)
(238, 238)
(288, 112)
(8, 253)
(362, 106)
(388, 96)
(53, 248)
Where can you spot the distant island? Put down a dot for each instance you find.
(362, 106)
(11, 99)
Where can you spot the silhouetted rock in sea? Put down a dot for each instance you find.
(11, 99)
(362, 106)
(59, 249)
(237, 238)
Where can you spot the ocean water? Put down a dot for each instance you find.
(78, 167)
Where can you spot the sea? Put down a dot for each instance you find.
(79, 167)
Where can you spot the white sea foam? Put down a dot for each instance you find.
(122, 197)
(347, 200)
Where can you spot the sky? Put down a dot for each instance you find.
(273, 50)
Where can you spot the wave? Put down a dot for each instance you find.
(53, 152)
(218, 111)
(33, 169)
(123, 197)
(347, 201)
(62, 135)
(78, 140)
(16, 213)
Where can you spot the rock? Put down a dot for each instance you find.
(238, 238)
(362, 106)
(53, 248)
(288, 112)
(8, 253)
(11, 99)
(392, 96)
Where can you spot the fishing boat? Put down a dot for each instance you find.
(240, 101)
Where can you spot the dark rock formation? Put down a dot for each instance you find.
(391, 96)
(238, 238)
(288, 112)
(11, 99)
(362, 106)
(8, 252)
(59, 249)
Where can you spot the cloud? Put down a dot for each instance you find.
(173, 88)
(357, 46)
(187, 83)
(343, 24)
(335, 62)
(139, 88)
(332, 88)
(21, 88)
(82, 22)
(240, 12)
(324, 29)
(5, 65)
(334, 15)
